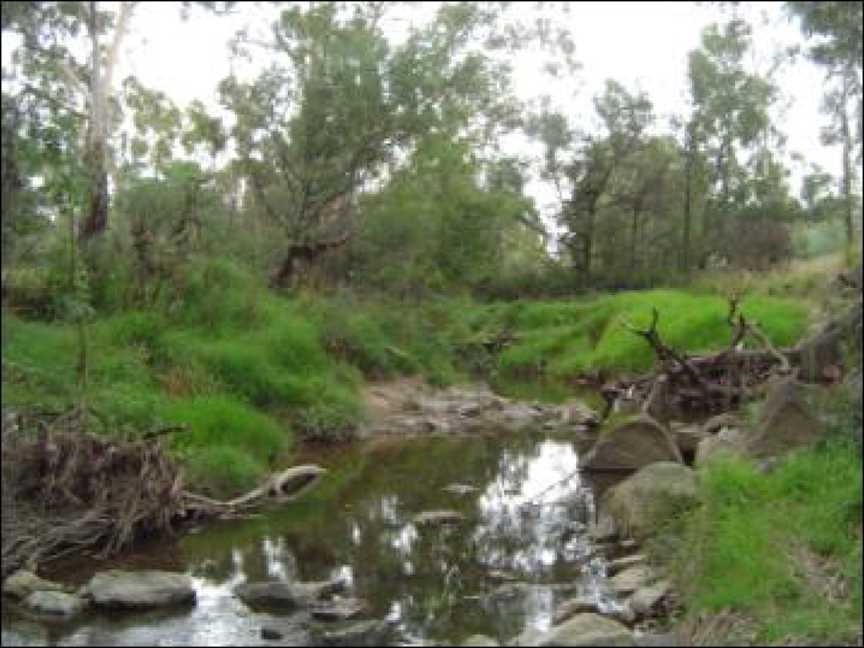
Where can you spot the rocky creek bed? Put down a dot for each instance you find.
(480, 538)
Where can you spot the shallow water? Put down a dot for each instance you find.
(434, 584)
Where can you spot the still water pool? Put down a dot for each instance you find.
(524, 523)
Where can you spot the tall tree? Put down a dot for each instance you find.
(835, 30)
(341, 103)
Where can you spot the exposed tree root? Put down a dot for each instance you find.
(66, 490)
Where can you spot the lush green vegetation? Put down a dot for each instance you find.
(781, 550)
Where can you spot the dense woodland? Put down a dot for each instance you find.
(350, 215)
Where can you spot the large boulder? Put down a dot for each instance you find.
(636, 442)
(645, 500)
(588, 630)
(785, 421)
(140, 589)
(818, 353)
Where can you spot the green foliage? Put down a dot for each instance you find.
(747, 546)
(565, 338)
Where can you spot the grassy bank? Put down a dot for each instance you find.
(773, 557)
(250, 372)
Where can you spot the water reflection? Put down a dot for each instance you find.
(525, 522)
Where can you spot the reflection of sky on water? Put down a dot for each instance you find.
(528, 519)
(527, 511)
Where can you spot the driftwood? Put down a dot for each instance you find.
(708, 382)
(66, 490)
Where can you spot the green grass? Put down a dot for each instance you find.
(568, 338)
(765, 545)
(228, 444)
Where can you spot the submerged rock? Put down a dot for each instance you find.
(646, 499)
(54, 603)
(340, 610)
(280, 594)
(140, 589)
(588, 630)
(360, 633)
(638, 441)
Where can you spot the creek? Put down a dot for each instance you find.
(434, 584)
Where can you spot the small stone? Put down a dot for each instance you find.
(140, 589)
(54, 603)
(579, 605)
(619, 565)
(23, 583)
(631, 579)
(340, 610)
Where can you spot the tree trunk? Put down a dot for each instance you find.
(688, 188)
(847, 164)
(96, 154)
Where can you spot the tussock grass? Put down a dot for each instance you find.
(782, 548)
(570, 338)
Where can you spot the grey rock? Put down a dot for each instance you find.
(588, 630)
(23, 583)
(632, 444)
(631, 579)
(529, 637)
(339, 609)
(54, 603)
(720, 421)
(786, 421)
(360, 633)
(645, 599)
(620, 564)
(283, 595)
(687, 436)
(728, 441)
(645, 500)
(572, 607)
(140, 589)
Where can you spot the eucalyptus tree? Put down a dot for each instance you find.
(730, 115)
(835, 33)
(585, 163)
(341, 105)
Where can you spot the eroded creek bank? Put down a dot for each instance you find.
(522, 548)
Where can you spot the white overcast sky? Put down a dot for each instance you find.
(641, 44)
